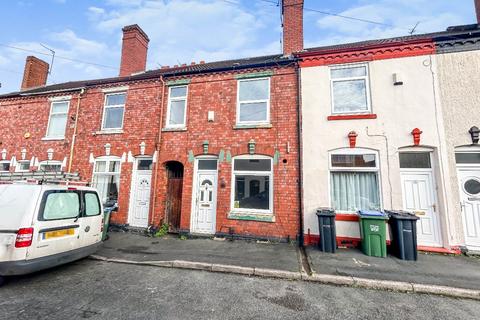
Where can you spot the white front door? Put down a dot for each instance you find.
(419, 198)
(205, 203)
(469, 180)
(140, 204)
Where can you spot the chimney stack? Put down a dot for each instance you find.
(134, 50)
(35, 73)
(292, 12)
(477, 10)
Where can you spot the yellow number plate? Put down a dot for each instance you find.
(58, 233)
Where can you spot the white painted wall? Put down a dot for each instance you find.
(400, 109)
(459, 85)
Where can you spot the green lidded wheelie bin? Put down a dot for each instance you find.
(373, 228)
(106, 222)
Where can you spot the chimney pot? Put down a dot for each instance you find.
(202, 62)
(35, 73)
(134, 50)
(193, 63)
(292, 12)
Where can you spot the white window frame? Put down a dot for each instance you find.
(57, 113)
(5, 161)
(107, 159)
(467, 149)
(252, 173)
(170, 99)
(367, 87)
(267, 121)
(354, 151)
(105, 107)
(17, 166)
(49, 162)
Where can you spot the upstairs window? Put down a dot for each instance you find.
(350, 89)
(177, 105)
(113, 111)
(58, 119)
(253, 105)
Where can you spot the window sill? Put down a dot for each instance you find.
(253, 126)
(251, 216)
(352, 116)
(52, 138)
(120, 131)
(174, 129)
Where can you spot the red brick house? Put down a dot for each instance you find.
(208, 148)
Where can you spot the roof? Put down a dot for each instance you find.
(452, 33)
(227, 65)
(453, 36)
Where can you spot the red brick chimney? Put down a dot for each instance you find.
(477, 10)
(35, 73)
(134, 50)
(292, 12)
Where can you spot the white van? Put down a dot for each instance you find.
(45, 225)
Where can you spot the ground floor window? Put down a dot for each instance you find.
(4, 166)
(22, 166)
(354, 183)
(252, 184)
(106, 178)
(50, 166)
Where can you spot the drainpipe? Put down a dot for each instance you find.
(157, 149)
(74, 136)
(300, 151)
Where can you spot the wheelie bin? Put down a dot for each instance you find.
(374, 233)
(326, 226)
(404, 234)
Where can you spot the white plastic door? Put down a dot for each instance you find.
(469, 180)
(419, 198)
(140, 204)
(205, 211)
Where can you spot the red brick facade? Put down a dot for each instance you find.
(24, 121)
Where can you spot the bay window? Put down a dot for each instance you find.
(354, 183)
(106, 178)
(350, 89)
(253, 106)
(252, 184)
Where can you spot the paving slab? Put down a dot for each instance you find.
(433, 269)
(242, 253)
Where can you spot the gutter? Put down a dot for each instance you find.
(300, 152)
(157, 149)
(74, 136)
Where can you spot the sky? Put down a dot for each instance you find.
(86, 35)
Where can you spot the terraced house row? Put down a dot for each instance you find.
(252, 147)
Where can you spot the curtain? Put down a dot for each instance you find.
(353, 191)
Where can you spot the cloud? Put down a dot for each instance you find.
(186, 30)
(395, 17)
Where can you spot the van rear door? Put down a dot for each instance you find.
(91, 220)
(57, 225)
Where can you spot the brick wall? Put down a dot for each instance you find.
(292, 26)
(35, 73)
(134, 50)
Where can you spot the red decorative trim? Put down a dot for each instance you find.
(453, 250)
(369, 53)
(352, 117)
(346, 217)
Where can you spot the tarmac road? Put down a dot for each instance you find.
(91, 289)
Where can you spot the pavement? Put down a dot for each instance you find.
(455, 276)
(90, 289)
